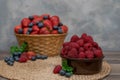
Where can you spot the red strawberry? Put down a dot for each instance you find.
(98, 53)
(66, 44)
(81, 49)
(55, 20)
(23, 57)
(36, 16)
(89, 54)
(74, 38)
(35, 28)
(88, 46)
(30, 54)
(81, 55)
(37, 20)
(25, 22)
(73, 53)
(80, 42)
(44, 30)
(84, 35)
(17, 28)
(64, 28)
(48, 24)
(57, 69)
(54, 32)
(34, 33)
(25, 30)
(74, 45)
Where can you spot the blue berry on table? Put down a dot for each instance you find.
(11, 59)
(68, 74)
(10, 63)
(62, 72)
(6, 59)
(33, 58)
(16, 58)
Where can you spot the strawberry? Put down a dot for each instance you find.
(57, 69)
(25, 30)
(74, 38)
(82, 55)
(35, 16)
(98, 53)
(17, 28)
(30, 54)
(44, 30)
(89, 54)
(84, 35)
(36, 20)
(25, 22)
(34, 33)
(80, 42)
(23, 57)
(73, 53)
(74, 45)
(64, 28)
(88, 46)
(81, 49)
(66, 44)
(55, 20)
(35, 28)
(54, 32)
(48, 24)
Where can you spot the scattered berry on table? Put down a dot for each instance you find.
(33, 58)
(62, 72)
(57, 69)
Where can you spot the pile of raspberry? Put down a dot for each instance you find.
(83, 47)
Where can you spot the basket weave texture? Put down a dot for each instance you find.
(49, 44)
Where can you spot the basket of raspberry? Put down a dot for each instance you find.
(44, 34)
(83, 54)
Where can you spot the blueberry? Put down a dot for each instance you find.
(28, 32)
(31, 24)
(29, 29)
(16, 58)
(55, 27)
(44, 57)
(15, 54)
(62, 72)
(37, 22)
(38, 56)
(6, 59)
(60, 24)
(31, 17)
(60, 31)
(20, 31)
(11, 59)
(10, 63)
(68, 74)
(40, 24)
(45, 17)
(33, 58)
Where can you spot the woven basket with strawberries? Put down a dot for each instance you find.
(44, 34)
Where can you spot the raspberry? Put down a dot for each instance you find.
(74, 45)
(23, 59)
(88, 46)
(80, 42)
(81, 49)
(74, 38)
(84, 35)
(66, 44)
(82, 55)
(89, 54)
(98, 53)
(73, 53)
(57, 69)
(95, 44)
(63, 51)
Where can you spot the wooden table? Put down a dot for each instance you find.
(112, 57)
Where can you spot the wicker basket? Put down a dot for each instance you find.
(49, 44)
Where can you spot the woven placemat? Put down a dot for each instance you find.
(42, 70)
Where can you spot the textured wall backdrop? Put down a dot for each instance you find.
(99, 18)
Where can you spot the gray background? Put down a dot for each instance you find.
(99, 18)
